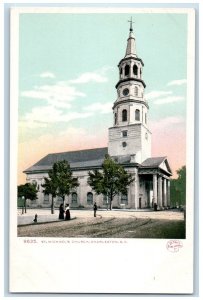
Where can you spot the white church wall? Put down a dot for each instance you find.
(37, 178)
(146, 143)
(142, 195)
(133, 140)
(82, 190)
(133, 188)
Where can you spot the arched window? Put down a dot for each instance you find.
(121, 71)
(136, 91)
(127, 70)
(34, 182)
(46, 198)
(137, 115)
(59, 199)
(145, 118)
(124, 198)
(74, 197)
(135, 69)
(140, 72)
(105, 199)
(115, 118)
(89, 198)
(124, 115)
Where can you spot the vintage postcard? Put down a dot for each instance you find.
(102, 130)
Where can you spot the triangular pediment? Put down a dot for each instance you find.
(165, 166)
(156, 163)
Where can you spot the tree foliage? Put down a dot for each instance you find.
(28, 191)
(60, 181)
(50, 188)
(111, 180)
(178, 188)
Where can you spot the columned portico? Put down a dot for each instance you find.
(159, 192)
(164, 193)
(154, 188)
(168, 193)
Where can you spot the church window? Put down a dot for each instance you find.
(137, 115)
(105, 199)
(115, 118)
(124, 115)
(145, 118)
(46, 198)
(125, 133)
(89, 198)
(140, 72)
(136, 91)
(74, 197)
(127, 70)
(135, 69)
(126, 92)
(124, 144)
(124, 198)
(121, 71)
(59, 199)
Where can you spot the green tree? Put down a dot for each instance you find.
(61, 180)
(174, 193)
(181, 184)
(112, 180)
(50, 187)
(178, 188)
(27, 191)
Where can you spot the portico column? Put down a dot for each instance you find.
(168, 193)
(159, 192)
(154, 188)
(165, 194)
(136, 191)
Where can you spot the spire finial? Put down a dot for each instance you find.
(131, 24)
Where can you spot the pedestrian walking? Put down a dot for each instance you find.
(67, 212)
(35, 219)
(95, 209)
(61, 212)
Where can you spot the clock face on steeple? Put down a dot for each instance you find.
(125, 92)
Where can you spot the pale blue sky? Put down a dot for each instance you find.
(57, 49)
(68, 72)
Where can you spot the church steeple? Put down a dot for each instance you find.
(131, 49)
(130, 134)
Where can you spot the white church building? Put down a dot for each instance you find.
(129, 144)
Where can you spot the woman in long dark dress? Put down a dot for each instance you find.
(61, 212)
(67, 212)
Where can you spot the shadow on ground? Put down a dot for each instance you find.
(108, 228)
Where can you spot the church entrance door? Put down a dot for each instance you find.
(140, 202)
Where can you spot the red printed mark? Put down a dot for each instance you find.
(174, 245)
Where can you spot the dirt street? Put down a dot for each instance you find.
(112, 224)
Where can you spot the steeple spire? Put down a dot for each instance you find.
(130, 136)
(131, 24)
(130, 50)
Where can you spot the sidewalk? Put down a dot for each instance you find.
(45, 216)
(42, 217)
